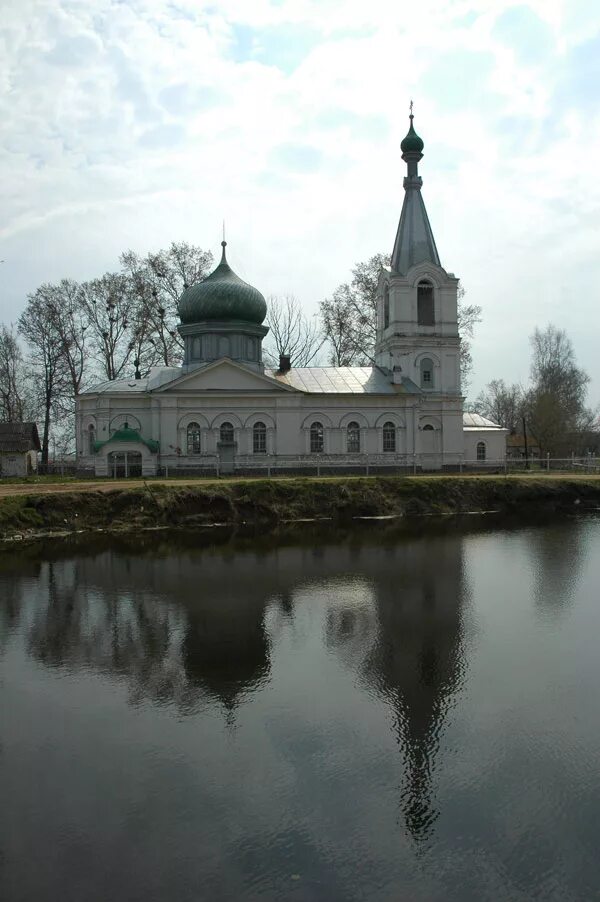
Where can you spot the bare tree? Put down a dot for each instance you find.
(502, 403)
(291, 332)
(468, 315)
(46, 359)
(349, 317)
(65, 306)
(13, 392)
(556, 402)
(157, 281)
(553, 405)
(109, 311)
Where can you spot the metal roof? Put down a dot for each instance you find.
(19, 437)
(355, 380)
(158, 375)
(414, 240)
(476, 421)
(342, 380)
(222, 296)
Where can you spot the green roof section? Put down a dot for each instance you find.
(222, 297)
(125, 434)
(412, 143)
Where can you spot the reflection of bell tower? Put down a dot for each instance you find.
(417, 662)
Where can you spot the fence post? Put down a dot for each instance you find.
(269, 466)
(505, 465)
(547, 461)
(367, 465)
(414, 463)
(319, 465)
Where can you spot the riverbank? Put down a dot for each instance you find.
(56, 509)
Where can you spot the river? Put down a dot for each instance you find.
(384, 713)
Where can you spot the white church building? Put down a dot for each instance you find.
(223, 411)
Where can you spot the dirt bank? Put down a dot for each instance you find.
(259, 501)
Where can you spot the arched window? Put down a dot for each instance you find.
(427, 373)
(353, 438)
(389, 437)
(193, 438)
(316, 438)
(259, 438)
(91, 438)
(425, 312)
(226, 433)
(481, 451)
(386, 306)
(428, 428)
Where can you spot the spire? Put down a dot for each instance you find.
(414, 239)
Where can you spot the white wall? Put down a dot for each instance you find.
(15, 464)
(165, 416)
(494, 439)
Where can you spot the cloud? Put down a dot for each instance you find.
(136, 124)
(297, 157)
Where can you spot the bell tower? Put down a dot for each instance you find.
(417, 329)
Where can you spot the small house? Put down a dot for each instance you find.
(19, 446)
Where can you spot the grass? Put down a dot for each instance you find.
(235, 500)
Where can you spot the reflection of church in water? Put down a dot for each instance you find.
(189, 626)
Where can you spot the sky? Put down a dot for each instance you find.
(135, 123)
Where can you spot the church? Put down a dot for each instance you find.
(222, 411)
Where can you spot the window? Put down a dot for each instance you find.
(227, 433)
(316, 438)
(353, 440)
(386, 306)
(428, 428)
(427, 373)
(193, 438)
(389, 437)
(91, 438)
(259, 438)
(425, 314)
(481, 451)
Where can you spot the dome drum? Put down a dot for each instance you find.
(211, 340)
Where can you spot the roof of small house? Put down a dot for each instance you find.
(19, 437)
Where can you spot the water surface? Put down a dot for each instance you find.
(382, 714)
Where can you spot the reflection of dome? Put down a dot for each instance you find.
(412, 143)
(222, 296)
(225, 657)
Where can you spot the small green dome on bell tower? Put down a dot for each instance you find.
(412, 143)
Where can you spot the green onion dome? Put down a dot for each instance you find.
(222, 296)
(412, 143)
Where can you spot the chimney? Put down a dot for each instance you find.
(285, 363)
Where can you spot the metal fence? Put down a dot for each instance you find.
(209, 465)
(373, 464)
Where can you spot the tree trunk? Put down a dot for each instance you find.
(46, 436)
